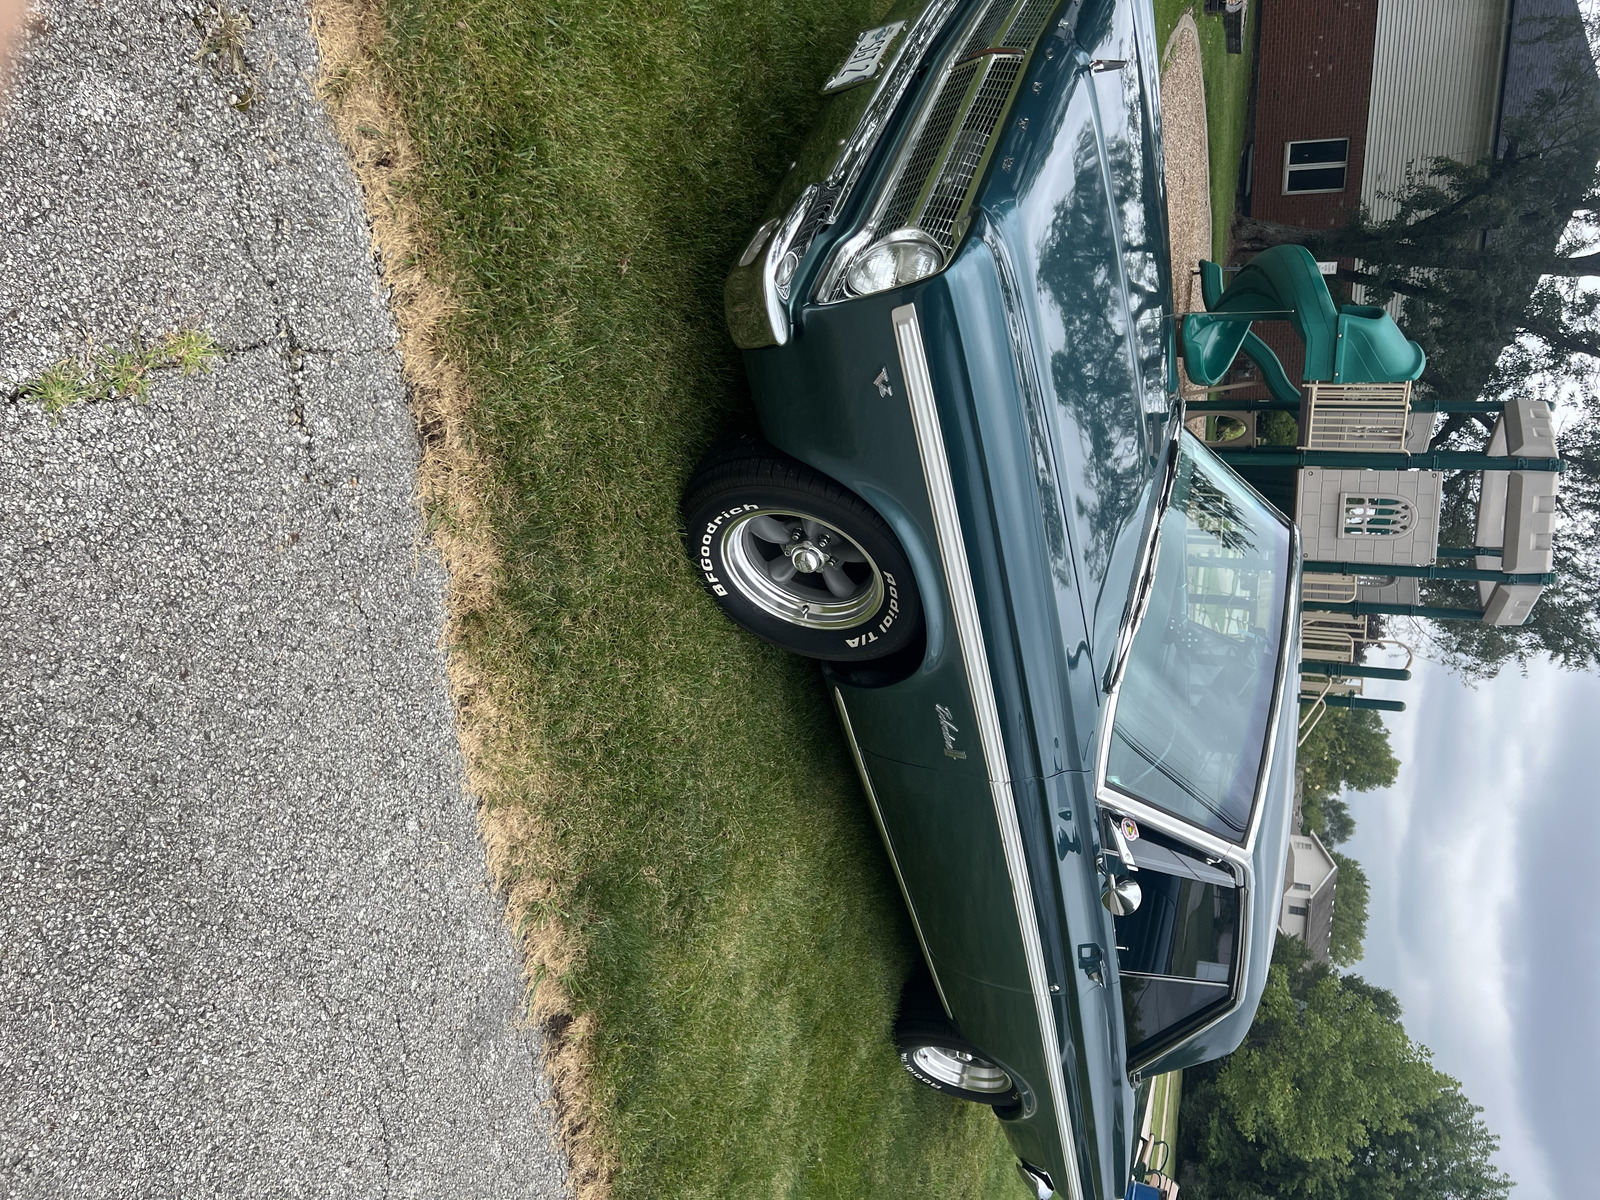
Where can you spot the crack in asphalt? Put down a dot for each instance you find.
(249, 945)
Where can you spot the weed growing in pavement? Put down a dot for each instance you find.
(222, 33)
(191, 351)
(123, 373)
(59, 387)
(120, 374)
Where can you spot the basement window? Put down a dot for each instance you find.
(1315, 166)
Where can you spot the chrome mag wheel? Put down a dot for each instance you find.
(801, 570)
(801, 561)
(959, 1069)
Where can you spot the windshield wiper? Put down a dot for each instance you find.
(1144, 578)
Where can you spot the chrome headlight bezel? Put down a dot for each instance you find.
(900, 245)
(832, 282)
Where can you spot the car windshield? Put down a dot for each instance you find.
(1192, 711)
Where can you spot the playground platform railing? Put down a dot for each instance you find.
(1355, 416)
(1331, 637)
(1317, 588)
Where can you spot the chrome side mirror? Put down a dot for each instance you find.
(1122, 897)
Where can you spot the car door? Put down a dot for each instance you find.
(1179, 951)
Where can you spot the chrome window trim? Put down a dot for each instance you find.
(888, 844)
(1216, 983)
(1111, 797)
(1287, 663)
(1144, 578)
(1232, 853)
(969, 635)
(1235, 994)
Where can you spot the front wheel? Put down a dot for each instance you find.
(798, 560)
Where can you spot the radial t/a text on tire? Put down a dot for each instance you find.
(797, 559)
(939, 1058)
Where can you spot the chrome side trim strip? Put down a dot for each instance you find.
(1288, 671)
(888, 844)
(969, 631)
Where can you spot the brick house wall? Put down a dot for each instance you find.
(1314, 80)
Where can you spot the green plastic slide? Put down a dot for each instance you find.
(1371, 348)
(1355, 344)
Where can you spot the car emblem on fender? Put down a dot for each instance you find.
(948, 730)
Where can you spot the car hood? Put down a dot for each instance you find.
(1075, 206)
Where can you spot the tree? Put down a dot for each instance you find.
(1329, 1098)
(1329, 817)
(1491, 262)
(1443, 1153)
(1484, 252)
(1327, 1071)
(1349, 911)
(1349, 748)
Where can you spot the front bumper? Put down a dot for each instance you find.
(757, 292)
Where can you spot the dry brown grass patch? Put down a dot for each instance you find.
(454, 486)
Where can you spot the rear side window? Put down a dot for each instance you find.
(1177, 955)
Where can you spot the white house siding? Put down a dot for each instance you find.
(1435, 86)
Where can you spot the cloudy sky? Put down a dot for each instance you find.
(1484, 919)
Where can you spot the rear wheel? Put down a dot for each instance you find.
(940, 1058)
(796, 559)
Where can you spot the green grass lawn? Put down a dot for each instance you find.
(1166, 1096)
(588, 171)
(1227, 79)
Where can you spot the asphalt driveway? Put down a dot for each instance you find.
(246, 945)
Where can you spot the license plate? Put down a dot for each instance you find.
(865, 59)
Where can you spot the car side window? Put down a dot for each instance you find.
(1177, 952)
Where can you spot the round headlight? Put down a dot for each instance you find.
(902, 257)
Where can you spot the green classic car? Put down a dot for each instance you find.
(1057, 629)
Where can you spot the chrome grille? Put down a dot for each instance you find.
(939, 162)
(1029, 22)
(982, 35)
(927, 149)
(948, 196)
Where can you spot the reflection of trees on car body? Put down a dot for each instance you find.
(1091, 366)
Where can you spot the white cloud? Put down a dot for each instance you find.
(1446, 850)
